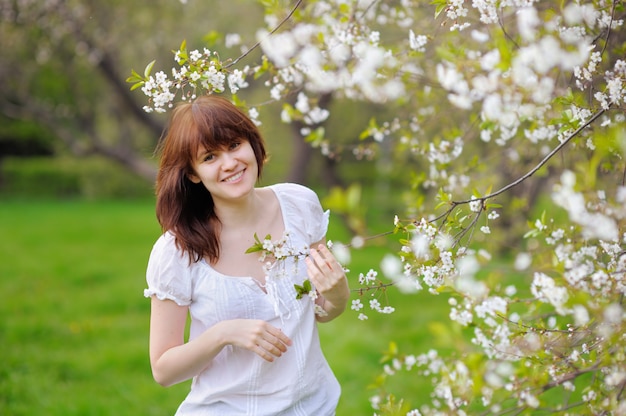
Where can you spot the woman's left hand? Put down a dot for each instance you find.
(329, 279)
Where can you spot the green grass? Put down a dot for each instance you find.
(74, 323)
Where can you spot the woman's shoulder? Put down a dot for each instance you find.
(302, 210)
(294, 191)
(165, 249)
(166, 241)
(168, 272)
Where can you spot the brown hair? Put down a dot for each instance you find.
(186, 208)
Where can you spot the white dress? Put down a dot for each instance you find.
(237, 381)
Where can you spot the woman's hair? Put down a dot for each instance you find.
(186, 208)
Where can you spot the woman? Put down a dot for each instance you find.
(253, 345)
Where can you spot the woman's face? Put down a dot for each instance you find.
(228, 173)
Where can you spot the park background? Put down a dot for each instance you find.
(77, 217)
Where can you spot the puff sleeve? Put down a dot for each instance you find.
(168, 273)
(317, 227)
(305, 211)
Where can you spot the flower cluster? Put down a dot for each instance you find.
(199, 72)
(370, 283)
(273, 256)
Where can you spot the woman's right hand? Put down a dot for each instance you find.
(174, 361)
(258, 336)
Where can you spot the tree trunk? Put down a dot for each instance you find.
(303, 154)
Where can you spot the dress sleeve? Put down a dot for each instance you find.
(168, 273)
(308, 209)
(318, 226)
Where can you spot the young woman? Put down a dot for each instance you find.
(253, 345)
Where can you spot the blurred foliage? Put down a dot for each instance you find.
(91, 178)
(23, 138)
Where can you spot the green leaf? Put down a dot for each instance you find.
(148, 70)
(212, 38)
(372, 126)
(302, 290)
(137, 85)
(257, 246)
(441, 204)
(440, 6)
(134, 77)
(532, 233)
(182, 53)
(253, 249)
(315, 137)
(263, 68)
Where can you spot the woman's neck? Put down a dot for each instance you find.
(242, 213)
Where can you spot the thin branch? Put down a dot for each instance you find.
(505, 411)
(256, 45)
(506, 34)
(564, 408)
(380, 286)
(621, 390)
(540, 330)
(608, 30)
(571, 376)
(540, 165)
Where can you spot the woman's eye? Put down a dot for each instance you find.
(235, 145)
(209, 157)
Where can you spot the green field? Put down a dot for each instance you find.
(74, 323)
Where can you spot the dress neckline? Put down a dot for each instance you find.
(252, 279)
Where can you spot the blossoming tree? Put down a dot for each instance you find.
(490, 99)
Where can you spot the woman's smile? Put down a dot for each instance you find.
(235, 177)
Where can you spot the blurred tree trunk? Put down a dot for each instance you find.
(303, 154)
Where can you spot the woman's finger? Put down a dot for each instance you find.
(279, 336)
(323, 258)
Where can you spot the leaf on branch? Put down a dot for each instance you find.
(212, 38)
(148, 70)
(181, 53)
(440, 6)
(137, 85)
(263, 68)
(493, 206)
(257, 246)
(315, 137)
(304, 289)
(391, 353)
(134, 77)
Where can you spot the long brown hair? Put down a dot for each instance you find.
(185, 208)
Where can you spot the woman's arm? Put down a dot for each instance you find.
(173, 361)
(330, 281)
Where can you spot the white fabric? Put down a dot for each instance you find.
(237, 381)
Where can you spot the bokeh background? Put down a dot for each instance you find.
(77, 210)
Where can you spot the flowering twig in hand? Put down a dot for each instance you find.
(280, 250)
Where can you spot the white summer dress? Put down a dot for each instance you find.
(237, 381)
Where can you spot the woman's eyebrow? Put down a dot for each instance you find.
(202, 151)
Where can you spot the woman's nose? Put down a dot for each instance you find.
(228, 161)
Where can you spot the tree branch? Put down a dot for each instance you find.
(539, 166)
(256, 45)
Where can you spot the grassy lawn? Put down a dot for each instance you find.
(74, 323)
